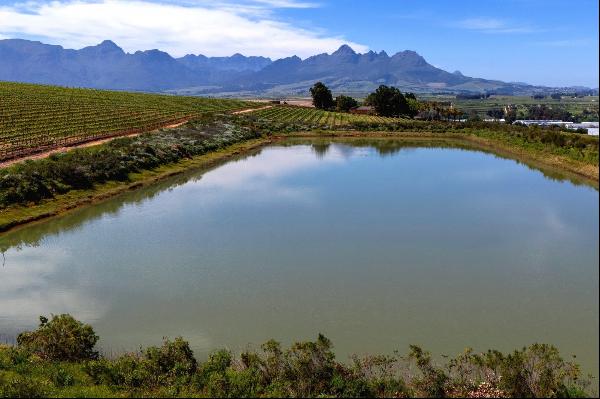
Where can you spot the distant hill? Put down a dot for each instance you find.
(107, 66)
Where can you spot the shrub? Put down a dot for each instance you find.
(433, 380)
(171, 363)
(173, 359)
(306, 369)
(62, 378)
(309, 367)
(16, 386)
(61, 339)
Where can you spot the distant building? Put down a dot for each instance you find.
(364, 110)
(591, 127)
(542, 122)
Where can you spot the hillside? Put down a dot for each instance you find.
(107, 66)
(35, 118)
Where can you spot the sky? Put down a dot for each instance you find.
(543, 42)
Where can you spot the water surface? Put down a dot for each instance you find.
(375, 248)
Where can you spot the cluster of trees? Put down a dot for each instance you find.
(546, 112)
(540, 112)
(386, 101)
(509, 113)
(323, 99)
(389, 101)
(438, 111)
(576, 94)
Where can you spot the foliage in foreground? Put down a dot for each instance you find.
(58, 359)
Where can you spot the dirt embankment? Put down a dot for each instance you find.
(91, 143)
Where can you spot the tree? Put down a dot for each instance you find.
(345, 103)
(473, 116)
(510, 115)
(321, 96)
(414, 106)
(388, 101)
(61, 339)
(369, 100)
(496, 113)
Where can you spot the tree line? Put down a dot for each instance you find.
(387, 101)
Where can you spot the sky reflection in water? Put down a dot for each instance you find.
(440, 247)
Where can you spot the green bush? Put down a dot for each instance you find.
(305, 369)
(61, 339)
(17, 386)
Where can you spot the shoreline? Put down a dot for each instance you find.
(15, 217)
(586, 172)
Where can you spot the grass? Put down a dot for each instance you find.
(315, 118)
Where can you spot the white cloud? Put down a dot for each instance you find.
(214, 29)
(493, 25)
(28, 288)
(262, 178)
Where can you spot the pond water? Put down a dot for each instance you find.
(376, 245)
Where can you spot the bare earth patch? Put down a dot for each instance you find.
(245, 111)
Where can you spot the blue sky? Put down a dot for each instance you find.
(546, 42)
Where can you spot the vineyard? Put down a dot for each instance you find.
(34, 118)
(315, 117)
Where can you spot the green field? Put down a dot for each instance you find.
(315, 117)
(37, 117)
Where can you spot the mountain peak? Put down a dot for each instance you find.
(344, 50)
(109, 45)
(409, 57)
(105, 48)
(154, 55)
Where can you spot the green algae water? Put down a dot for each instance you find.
(375, 245)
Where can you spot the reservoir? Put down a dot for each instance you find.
(377, 245)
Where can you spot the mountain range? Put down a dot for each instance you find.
(107, 66)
